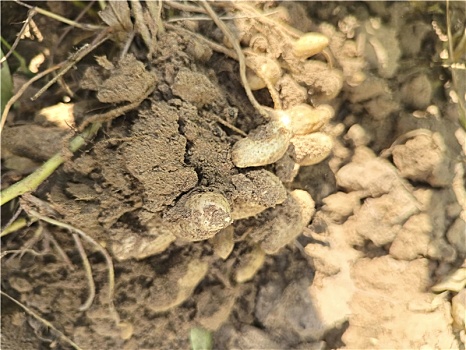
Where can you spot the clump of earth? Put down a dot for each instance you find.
(353, 236)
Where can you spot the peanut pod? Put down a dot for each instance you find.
(303, 119)
(264, 145)
(309, 44)
(260, 68)
(204, 214)
(312, 148)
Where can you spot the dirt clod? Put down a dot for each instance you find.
(36, 142)
(424, 159)
(195, 88)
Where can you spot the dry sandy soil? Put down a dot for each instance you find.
(345, 233)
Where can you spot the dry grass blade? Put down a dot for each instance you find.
(82, 234)
(21, 91)
(251, 12)
(241, 58)
(155, 9)
(183, 7)
(49, 14)
(43, 321)
(36, 237)
(114, 113)
(140, 23)
(20, 251)
(68, 30)
(228, 125)
(83, 51)
(31, 14)
(214, 46)
(118, 16)
(12, 219)
(59, 249)
(87, 267)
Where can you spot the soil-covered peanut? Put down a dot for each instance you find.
(280, 225)
(201, 215)
(312, 148)
(264, 145)
(256, 190)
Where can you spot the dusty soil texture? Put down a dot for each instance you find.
(343, 231)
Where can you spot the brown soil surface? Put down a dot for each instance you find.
(201, 233)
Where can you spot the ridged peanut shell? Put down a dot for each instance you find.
(264, 145)
(303, 119)
(282, 224)
(261, 66)
(312, 148)
(306, 203)
(204, 215)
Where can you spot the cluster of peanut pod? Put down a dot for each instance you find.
(276, 54)
(293, 133)
(278, 58)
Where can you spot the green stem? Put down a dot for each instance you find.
(22, 62)
(16, 225)
(31, 182)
